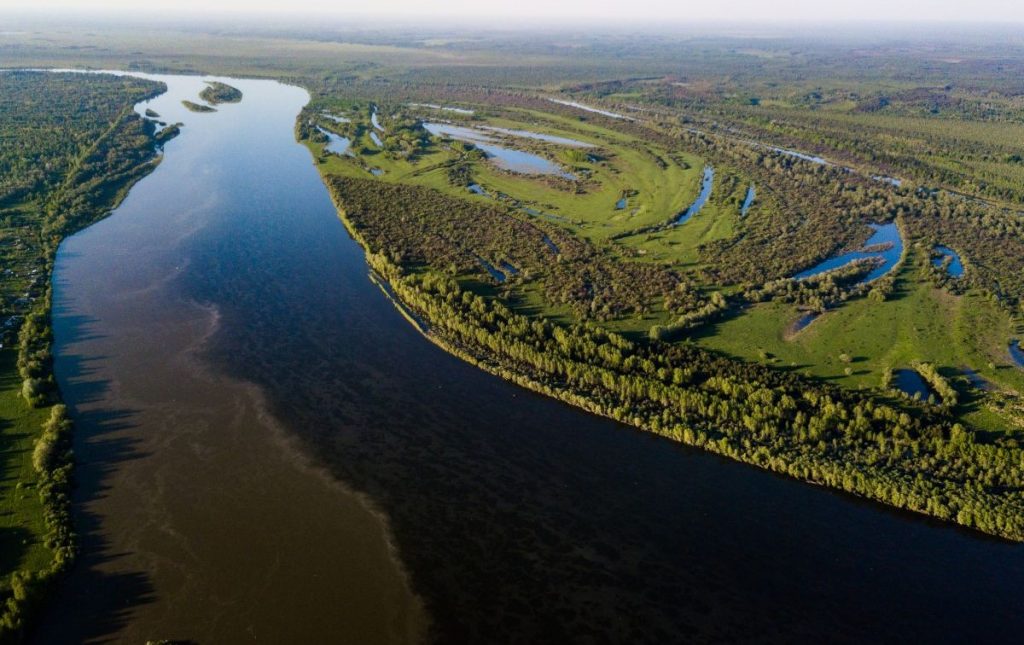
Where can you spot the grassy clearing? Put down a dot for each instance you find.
(659, 184)
(854, 344)
(21, 513)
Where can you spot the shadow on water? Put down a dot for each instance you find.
(106, 598)
(104, 601)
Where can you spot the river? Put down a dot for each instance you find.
(257, 426)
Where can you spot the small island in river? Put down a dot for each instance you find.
(197, 107)
(217, 92)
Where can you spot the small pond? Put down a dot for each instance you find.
(748, 201)
(803, 321)
(955, 268)
(910, 383)
(337, 144)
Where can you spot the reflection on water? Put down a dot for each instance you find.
(748, 201)
(444, 108)
(539, 136)
(801, 155)
(803, 321)
(587, 108)
(504, 157)
(886, 244)
(1016, 353)
(910, 383)
(955, 267)
(337, 144)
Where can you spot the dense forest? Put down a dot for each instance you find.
(216, 92)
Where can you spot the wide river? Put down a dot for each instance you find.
(267, 452)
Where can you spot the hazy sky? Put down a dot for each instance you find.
(995, 11)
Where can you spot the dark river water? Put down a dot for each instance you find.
(268, 452)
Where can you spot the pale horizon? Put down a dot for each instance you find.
(949, 12)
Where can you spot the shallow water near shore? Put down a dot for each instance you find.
(269, 452)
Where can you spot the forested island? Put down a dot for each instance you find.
(217, 92)
(197, 107)
(76, 147)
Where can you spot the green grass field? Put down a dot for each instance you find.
(21, 513)
(627, 165)
(919, 322)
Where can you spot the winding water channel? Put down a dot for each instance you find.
(268, 452)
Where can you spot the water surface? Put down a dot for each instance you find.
(748, 201)
(502, 156)
(801, 155)
(955, 268)
(910, 383)
(201, 516)
(706, 184)
(444, 108)
(336, 143)
(539, 136)
(588, 108)
(1016, 353)
(804, 320)
(886, 244)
